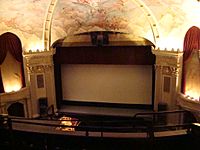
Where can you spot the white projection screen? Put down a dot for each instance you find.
(126, 84)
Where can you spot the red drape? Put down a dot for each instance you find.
(2, 51)
(1, 84)
(191, 42)
(2, 57)
(10, 42)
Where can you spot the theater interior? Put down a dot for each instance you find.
(99, 74)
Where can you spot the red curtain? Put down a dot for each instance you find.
(2, 57)
(2, 51)
(10, 42)
(191, 42)
(1, 84)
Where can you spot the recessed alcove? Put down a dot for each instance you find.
(16, 109)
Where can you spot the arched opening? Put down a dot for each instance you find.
(191, 64)
(11, 61)
(16, 109)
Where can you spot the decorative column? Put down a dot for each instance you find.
(167, 78)
(40, 72)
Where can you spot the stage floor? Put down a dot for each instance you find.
(101, 111)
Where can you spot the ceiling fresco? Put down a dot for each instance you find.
(76, 16)
(26, 19)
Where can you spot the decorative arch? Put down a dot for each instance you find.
(47, 25)
(49, 16)
(191, 63)
(150, 17)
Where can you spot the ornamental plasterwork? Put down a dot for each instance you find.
(39, 62)
(39, 68)
(167, 61)
(168, 58)
(175, 71)
(167, 70)
(157, 67)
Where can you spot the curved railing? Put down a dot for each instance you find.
(140, 122)
(48, 134)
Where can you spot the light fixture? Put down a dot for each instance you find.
(69, 122)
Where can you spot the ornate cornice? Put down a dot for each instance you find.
(39, 62)
(167, 53)
(169, 61)
(39, 68)
(168, 70)
(35, 54)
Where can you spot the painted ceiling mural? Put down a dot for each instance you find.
(90, 15)
(93, 15)
(26, 19)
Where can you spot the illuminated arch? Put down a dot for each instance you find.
(48, 21)
(47, 25)
(150, 17)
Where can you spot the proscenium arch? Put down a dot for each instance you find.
(49, 16)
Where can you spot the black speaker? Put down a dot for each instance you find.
(162, 118)
(43, 105)
(93, 37)
(105, 38)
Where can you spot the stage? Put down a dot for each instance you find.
(101, 111)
